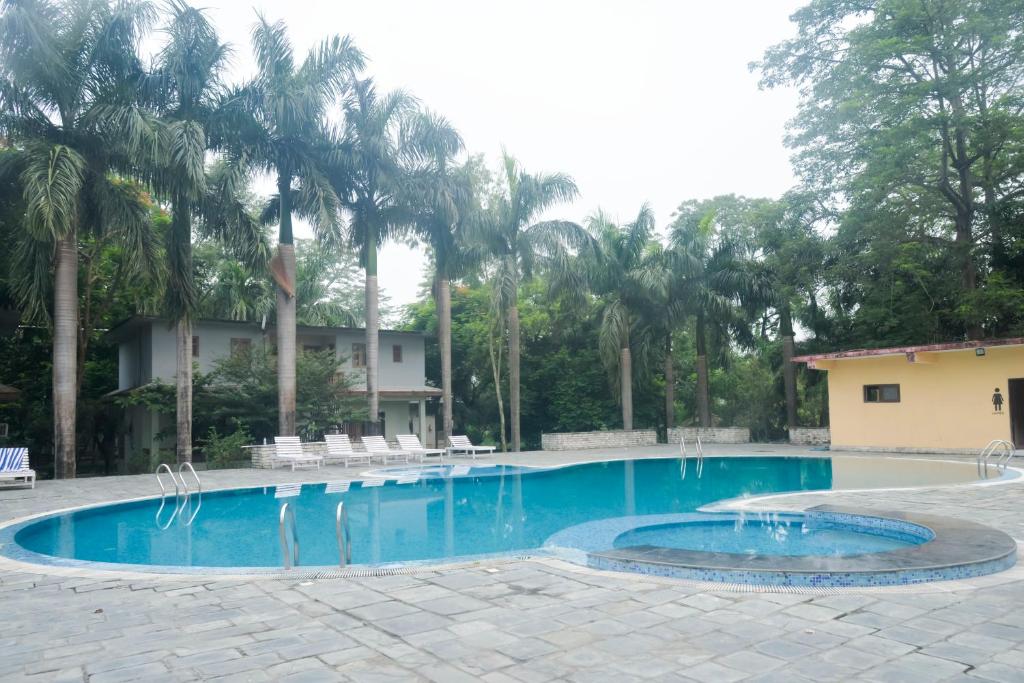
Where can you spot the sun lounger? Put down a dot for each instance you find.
(411, 443)
(14, 468)
(288, 450)
(339, 447)
(461, 445)
(380, 448)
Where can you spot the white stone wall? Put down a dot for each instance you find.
(807, 436)
(261, 455)
(566, 441)
(710, 434)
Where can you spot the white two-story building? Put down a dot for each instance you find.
(146, 354)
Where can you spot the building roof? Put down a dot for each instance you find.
(129, 325)
(8, 393)
(903, 350)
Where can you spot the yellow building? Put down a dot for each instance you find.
(936, 398)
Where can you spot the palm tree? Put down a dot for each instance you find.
(68, 73)
(791, 254)
(515, 238)
(186, 88)
(279, 126)
(617, 268)
(446, 205)
(708, 261)
(385, 138)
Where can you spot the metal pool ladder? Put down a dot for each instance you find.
(288, 514)
(343, 533)
(163, 496)
(179, 486)
(700, 458)
(1003, 447)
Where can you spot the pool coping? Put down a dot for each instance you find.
(960, 549)
(25, 560)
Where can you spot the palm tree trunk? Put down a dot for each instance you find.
(444, 329)
(626, 387)
(183, 380)
(372, 330)
(286, 315)
(494, 348)
(513, 369)
(65, 356)
(670, 386)
(788, 368)
(626, 381)
(703, 391)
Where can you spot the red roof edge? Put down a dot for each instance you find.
(923, 348)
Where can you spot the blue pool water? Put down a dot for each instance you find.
(503, 511)
(781, 536)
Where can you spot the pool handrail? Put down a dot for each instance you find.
(163, 496)
(344, 534)
(989, 450)
(288, 513)
(188, 493)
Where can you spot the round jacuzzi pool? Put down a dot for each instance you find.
(777, 536)
(822, 547)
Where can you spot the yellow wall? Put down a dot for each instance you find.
(945, 399)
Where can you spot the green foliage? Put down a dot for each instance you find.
(224, 451)
(240, 394)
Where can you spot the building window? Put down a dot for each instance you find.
(195, 347)
(317, 348)
(396, 353)
(240, 346)
(881, 393)
(359, 355)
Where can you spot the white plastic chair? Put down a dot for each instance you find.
(339, 447)
(461, 445)
(411, 443)
(15, 469)
(288, 449)
(379, 447)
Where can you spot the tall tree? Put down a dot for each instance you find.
(69, 73)
(186, 88)
(707, 255)
(280, 126)
(386, 136)
(614, 265)
(790, 252)
(447, 203)
(914, 107)
(515, 237)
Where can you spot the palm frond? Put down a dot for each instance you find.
(52, 181)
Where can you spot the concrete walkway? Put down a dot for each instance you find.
(506, 620)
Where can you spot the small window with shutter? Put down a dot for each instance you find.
(396, 353)
(359, 355)
(881, 393)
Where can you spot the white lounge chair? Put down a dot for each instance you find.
(14, 468)
(379, 447)
(339, 447)
(411, 443)
(461, 445)
(288, 449)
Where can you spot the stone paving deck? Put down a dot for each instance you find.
(506, 620)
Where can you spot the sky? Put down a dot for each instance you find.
(639, 101)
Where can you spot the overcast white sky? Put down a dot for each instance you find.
(645, 100)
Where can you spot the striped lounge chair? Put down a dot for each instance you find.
(14, 468)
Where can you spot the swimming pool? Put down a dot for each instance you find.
(429, 515)
(498, 512)
(777, 535)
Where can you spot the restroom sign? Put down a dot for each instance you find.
(997, 401)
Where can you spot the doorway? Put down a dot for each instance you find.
(1015, 391)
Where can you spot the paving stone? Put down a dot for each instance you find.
(710, 672)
